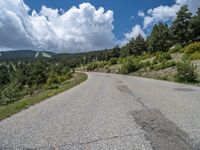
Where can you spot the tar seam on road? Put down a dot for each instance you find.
(160, 131)
(123, 88)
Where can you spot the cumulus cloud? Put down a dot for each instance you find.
(193, 5)
(78, 29)
(136, 30)
(167, 13)
(161, 13)
(141, 13)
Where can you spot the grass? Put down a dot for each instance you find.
(8, 110)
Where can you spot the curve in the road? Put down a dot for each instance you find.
(110, 111)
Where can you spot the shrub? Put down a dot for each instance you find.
(145, 55)
(92, 66)
(195, 56)
(65, 77)
(52, 79)
(186, 72)
(164, 65)
(128, 67)
(175, 48)
(10, 93)
(52, 86)
(113, 61)
(161, 57)
(192, 48)
(102, 64)
(145, 64)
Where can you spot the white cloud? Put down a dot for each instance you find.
(193, 5)
(161, 13)
(78, 29)
(141, 13)
(136, 30)
(148, 21)
(167, 13)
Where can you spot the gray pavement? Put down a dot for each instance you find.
(110, 111)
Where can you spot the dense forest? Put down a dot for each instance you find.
(21, 77)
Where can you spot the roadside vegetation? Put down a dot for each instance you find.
(168, 53)
(9, 109)
(27, 82)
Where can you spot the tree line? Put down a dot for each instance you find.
(21, 78)
(184, 29)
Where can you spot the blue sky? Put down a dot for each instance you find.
(70, 26)
(125, 11)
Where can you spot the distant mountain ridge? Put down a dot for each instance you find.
(25, 54)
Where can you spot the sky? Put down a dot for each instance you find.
(69, 26)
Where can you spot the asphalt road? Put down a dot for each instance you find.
(110, 112)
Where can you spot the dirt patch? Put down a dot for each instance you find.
(163, 133)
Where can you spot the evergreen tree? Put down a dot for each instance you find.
(195, 27)
(180, 26)
(159, 39)
(127, 50)
(139, 45)
(11, 92)
(4, 75)
(38, 73)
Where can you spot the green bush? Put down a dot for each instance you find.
(102, 64)
(113, 61)
(128, 67)
(146, 55)
(65, 77)
(186, 72)
(175, 48)
(145, 64)
(52, 79)
(195, 56)
(92, 66)
(10, 93)
(192, 48)
(162, 57)
(164, 65)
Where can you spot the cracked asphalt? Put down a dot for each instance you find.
(110, 111)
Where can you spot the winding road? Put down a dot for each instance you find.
(110, 111)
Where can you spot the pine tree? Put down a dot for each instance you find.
(195, 27)
(4, 75)
(139, 45)
(180, 26)
(159, 39)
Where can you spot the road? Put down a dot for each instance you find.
(110, 111)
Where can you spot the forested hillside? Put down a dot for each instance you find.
(24, 54)
(169, 52)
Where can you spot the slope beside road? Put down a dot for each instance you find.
(110, 111)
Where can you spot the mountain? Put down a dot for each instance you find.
(25, 54)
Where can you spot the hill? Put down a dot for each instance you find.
(25, 54)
